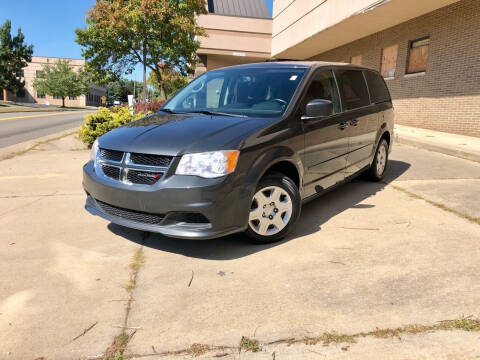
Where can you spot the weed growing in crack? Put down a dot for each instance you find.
(464, 323)
(329, 338)
(197, 349)
(117, 348)
(438, 205)
(129, 286)
(248, 344)
(137, 260)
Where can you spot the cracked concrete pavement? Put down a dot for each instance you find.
(364, 256)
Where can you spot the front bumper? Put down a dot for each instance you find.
(217, 201)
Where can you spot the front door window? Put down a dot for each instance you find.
(323, 87)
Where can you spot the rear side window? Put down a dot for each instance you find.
(353, 89)
(378, 88)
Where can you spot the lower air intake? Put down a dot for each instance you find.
(137, 216)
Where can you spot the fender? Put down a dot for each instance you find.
(257, 170)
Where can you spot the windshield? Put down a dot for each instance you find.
(257, 92)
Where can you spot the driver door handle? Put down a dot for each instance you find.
(342, 126)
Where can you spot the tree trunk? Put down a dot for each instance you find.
(4, 94)
(159, 77)
(144, 95)
(162, 92)
(63, 101)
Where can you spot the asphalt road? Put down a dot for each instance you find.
(19, 127)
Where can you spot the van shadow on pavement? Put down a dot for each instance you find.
(314, 215)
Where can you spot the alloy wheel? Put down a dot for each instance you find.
(270, 211)
(381, 159)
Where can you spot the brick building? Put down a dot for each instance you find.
(428, 51)
(30, 95)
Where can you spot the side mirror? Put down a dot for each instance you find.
(318, 108)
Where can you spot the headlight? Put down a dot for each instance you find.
(209, 164)
(94, 150)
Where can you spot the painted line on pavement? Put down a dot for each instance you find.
(43, 115)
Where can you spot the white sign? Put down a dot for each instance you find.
(239, 54)
(130, 103)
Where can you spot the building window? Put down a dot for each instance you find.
(389, 61)
(418, 56)
(356, 60)
(57, 97)
(72, 98)
(211, 7)
(40, 96)
(202, 60)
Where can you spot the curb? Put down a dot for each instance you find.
(23, 147)
(43, 111)
(437, 148)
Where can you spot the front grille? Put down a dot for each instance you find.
(111, 154)
(151, 160)
(138, 216)
(143, 177)
(111, 171)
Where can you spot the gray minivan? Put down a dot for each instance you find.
(239, 149)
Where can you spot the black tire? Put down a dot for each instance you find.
(373, 172)
(284, 182)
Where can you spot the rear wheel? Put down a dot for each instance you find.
(380, 162)
(274, 209)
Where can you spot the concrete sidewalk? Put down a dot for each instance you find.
(465, 147)
(364, 261)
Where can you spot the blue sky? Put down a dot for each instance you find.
(269, 5)
(49, 25)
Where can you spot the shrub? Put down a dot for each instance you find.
(103, 121)
(151, 107)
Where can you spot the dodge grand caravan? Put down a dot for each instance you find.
(240, 149)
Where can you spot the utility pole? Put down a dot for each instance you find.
(134, 83)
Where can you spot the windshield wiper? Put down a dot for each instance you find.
(215, 113)
(169, 111)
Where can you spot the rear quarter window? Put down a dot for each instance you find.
(353, 88)
(378, 88)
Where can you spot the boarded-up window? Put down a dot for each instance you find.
(356, 60)
(389, 61)
(418, 56)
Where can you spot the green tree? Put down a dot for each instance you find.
(61, 80)
(120, 89)
(172, 81)
(123, 33)
(14, 56)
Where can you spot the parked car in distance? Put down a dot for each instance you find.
(240, 149)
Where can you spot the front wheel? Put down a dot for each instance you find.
(274, 209)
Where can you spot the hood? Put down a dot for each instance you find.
(176, 134)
